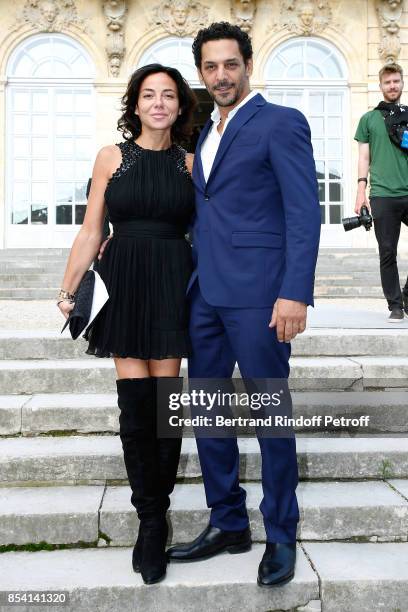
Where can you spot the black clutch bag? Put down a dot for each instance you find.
(90, 297)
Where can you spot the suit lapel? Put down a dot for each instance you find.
(198, 172)
(243, 115)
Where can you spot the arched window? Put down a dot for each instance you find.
(311, 75)
(175, 52)
(50, 134)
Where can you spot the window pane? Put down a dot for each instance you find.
(83, 102)
(20, 192)
(83, 125)
(316, 103)
(64, 192)
(335, 213)
(322, 192)
(275, 97)
(335, 169)
(320, 169)
(331, 68)
(39, 214)
(61, 69)
(19, 216)
(318, 147)
(79, 213)
(334, 126)
(316, 54)
(64, 214)
(322, 214)
(39, 192)
(64, 147)
(83, 148)
(335, 103)
(80, 192)
(20, 203)
(21, 101)
(82, 171)
(64, 101)
(40, 169)
(317, 126)
(64, 125)
(334, 147)
(40, 124)
(21, 145)
(295, 72)
(335, 192)
(21, 124)
(40, 146)
(21, 169)
(313, 72)
(40, 101)
(64, 170)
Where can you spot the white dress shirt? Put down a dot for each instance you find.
(210, 145)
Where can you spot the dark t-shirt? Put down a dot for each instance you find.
(388, 164)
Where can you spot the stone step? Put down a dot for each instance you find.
(348, 291)
(43, 344)
(103, 580)
(98, 375)
(98, 413)
(96, 459)
(28, 293)
(329, 576)
(328, 511)
(49, 293)
(33, 281)
(69, 515)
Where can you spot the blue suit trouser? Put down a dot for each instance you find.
(220, 338)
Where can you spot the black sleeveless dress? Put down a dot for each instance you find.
(147, 264)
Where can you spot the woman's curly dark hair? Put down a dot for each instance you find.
(219, 31)
(129, 123)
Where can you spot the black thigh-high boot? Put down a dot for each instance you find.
(138, 425)
(169, 449)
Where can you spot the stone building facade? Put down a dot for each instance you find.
(64, 65)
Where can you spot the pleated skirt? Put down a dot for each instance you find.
(146, 316)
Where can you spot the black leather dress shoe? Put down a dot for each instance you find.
(278, 564)
(211, 542)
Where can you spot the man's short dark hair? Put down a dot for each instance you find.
(219, 31)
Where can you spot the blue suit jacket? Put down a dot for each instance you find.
(257, 224)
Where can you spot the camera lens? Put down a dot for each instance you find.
(350, 223)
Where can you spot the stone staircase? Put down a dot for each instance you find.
(66, 522)
(341, 273)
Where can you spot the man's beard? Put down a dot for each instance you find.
(231, 99)
(394, 98)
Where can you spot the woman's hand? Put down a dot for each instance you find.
(65, 307)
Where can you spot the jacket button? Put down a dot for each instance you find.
(206, 197)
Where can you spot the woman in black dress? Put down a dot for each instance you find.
(146, 186)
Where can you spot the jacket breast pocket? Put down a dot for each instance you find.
(269, 240)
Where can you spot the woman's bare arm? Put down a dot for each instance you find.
(88, 239)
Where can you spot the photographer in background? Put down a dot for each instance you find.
(383, 152)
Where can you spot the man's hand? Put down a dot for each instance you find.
(103, 246)
(361, 200)
(289, 318)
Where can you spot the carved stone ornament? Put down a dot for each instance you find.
(243, 12)
(180, 17)
(304, 17)
(389, 16)
(115, 12)
(50, 16)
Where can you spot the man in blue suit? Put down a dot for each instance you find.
(256, 236)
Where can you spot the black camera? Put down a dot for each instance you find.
(364, 219)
